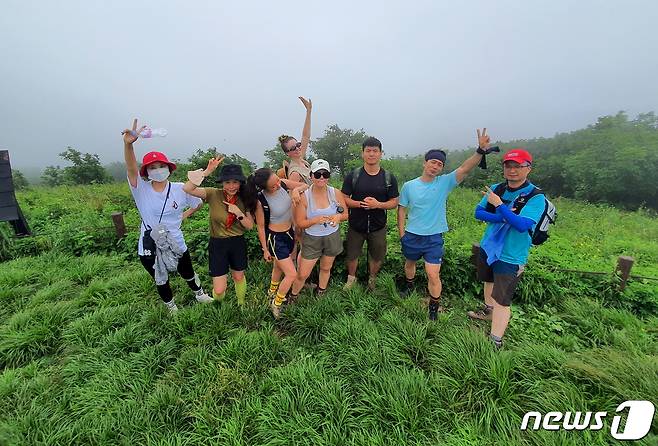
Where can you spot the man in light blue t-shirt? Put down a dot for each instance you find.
(423, 208)
(511, 210)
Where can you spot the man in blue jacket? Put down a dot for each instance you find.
(511, 215)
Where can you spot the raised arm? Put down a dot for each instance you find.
(129, 137)
(196, 177)
(306, 131)
(470, 163)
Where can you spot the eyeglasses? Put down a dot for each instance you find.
(515, 166)
(321, 174)
(295, 147)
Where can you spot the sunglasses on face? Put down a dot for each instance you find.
(295, 147)
(321, 174)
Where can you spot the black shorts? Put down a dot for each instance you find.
(280, 244)
(225, 253)
(505, 276)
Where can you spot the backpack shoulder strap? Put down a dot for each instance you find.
(521, 201)
(266, 207)
(387, 179)
(356, 172)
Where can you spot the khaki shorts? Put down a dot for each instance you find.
(376, 244)
(314, 247)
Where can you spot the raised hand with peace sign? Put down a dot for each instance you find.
(131, 135)
(483, 139)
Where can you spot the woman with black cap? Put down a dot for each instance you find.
(231, 214)
(161, 203)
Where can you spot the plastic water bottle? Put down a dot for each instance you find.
(148, 132)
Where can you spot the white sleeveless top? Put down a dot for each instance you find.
(321, 229)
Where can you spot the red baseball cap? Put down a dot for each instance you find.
(519, 155)
(155, 157)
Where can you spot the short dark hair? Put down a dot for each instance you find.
(371, 141)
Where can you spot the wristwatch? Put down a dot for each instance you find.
(241, 217)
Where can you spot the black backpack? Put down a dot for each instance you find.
(266, 205)
(548, 216)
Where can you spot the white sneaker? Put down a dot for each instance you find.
(202, 297)
(351, 280)
(171, 306)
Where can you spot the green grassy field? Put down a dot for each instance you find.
(88, 354)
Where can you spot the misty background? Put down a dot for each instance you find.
(414, 74)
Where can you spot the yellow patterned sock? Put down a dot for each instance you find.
(273, 287)
(279, 299)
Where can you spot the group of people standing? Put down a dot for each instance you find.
(298, 214)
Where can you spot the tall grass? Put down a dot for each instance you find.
(91, 357)
(88, 354)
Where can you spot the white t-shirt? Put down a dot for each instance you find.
(150, 203)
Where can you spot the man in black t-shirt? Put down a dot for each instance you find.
(369, 192)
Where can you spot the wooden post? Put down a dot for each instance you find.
(624, 265)
(475, 252)
(119, 225)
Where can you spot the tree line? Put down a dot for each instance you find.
(614, 161)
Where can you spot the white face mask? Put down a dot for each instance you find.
(160, 174)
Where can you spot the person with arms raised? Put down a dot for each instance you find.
(422, 217)
(161, 204)
(231, 214)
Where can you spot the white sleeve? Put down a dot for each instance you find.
(138, 191)
(192, 201)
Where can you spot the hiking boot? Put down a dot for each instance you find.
(202, 297)
(291, 298)
(277, 310)
(320, 292)
(434, 309)
(351, 280)
(483, 314)
(171, 306)
(372, 283)
(407, 289)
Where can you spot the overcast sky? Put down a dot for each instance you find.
(416, 74)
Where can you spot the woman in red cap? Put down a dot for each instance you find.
(161, 202)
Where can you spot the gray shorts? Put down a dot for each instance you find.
(314, 247)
